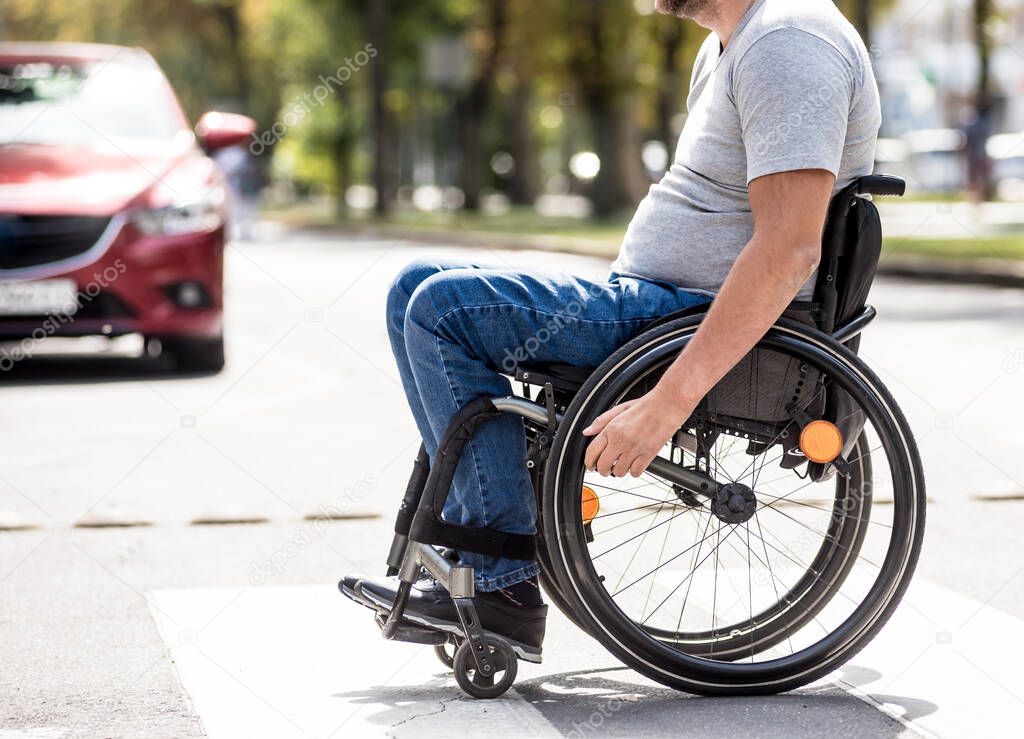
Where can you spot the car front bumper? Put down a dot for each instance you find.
(136, 285)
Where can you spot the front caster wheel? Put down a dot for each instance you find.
(503, 664)
(446, 652)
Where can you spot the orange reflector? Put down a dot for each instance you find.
(821, 441)
(591, 505)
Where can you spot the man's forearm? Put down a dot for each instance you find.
(762, 283)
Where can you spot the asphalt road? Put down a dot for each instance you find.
(208, 606)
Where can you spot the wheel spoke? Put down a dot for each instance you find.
(690, 576)
(662, 564)
(823, 535)
(693, 566)
(632, 538)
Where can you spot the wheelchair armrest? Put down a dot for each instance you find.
(855, 325)
(881, 184)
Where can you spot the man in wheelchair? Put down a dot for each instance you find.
(783, 114)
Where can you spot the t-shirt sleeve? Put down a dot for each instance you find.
(794, 93)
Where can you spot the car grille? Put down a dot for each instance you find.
(30, 241)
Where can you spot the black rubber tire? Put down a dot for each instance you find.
(194, 354)
(475, 685)
(447, 658)
(586, 597)
(547, 578)
(553, 592)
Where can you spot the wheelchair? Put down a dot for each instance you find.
(766, 545)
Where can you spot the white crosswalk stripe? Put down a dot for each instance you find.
(303, 662)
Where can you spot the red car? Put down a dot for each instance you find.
(111, 212)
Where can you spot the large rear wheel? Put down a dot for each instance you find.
(765, 599)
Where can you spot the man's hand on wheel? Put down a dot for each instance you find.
(629, 436)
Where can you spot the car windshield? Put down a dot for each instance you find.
(93, 104)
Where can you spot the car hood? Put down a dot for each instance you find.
(37, 179)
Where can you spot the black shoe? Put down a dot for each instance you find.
(430, 605)
(348, 585)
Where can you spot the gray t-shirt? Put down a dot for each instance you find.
(794, 89)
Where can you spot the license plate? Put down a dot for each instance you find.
(39, 297)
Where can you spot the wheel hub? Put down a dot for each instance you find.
(734, 503)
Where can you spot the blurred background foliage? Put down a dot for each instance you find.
(469, 104)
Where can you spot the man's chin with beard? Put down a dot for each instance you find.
(684, 8)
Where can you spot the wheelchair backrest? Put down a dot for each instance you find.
(850, 250)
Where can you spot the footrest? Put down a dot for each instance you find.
(409, 632)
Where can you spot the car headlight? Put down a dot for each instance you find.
(204, 213)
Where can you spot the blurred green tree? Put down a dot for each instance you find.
(544, 80)
(474, 103)
(983, 186)
(601, 64)
(862, 13)
(982, 17)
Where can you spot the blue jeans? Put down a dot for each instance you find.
(455, 328)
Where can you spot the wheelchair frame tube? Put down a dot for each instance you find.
(690, 480)
(524, 408)
(456, 579)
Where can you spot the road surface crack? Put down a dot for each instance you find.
(444, 707)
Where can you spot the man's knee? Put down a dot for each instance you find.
(440, 294)
(403, 286)
(410, 277)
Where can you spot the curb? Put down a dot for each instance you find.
(986, 272)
